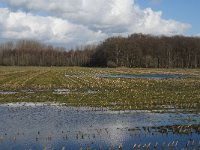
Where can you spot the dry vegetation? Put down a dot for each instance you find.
(81, 87)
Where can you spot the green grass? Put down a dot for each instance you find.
(115, 93)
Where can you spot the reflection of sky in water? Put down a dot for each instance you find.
(30, 126)
(142, 76)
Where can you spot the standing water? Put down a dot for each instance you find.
(39, 126)
(143, 76)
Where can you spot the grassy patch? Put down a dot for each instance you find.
(86, 89)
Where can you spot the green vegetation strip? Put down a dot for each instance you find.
(76, 86)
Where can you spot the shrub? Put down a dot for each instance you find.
(111, 64)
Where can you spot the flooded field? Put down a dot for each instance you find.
(52, 126)
(143, 76)
(73, 108)
(116, 88)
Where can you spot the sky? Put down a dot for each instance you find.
(182, 10)
(71, 23)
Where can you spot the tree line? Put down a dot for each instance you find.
(34, 53)
(136, 50)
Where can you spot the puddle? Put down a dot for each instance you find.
(39, 125)
(55, 91)
(91, 92)
(61, 91)
(28, 91)
(145, 76)
(7, 92)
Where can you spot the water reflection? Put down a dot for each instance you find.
(36, 126)
(142, 76)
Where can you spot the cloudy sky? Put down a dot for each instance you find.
(73, 23)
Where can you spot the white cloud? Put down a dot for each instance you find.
(81, 21)
(19, 25)
(151, 22)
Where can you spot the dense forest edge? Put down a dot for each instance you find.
(136, 50)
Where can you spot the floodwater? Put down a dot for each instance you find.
(51, 126)
(7, 92)
(143, 76)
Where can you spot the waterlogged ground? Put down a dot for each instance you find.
(143, 76)
(101, 108)
(38, 126)
(118, 88)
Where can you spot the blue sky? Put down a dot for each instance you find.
(187, 11)
(72, 23)
(2, 4)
